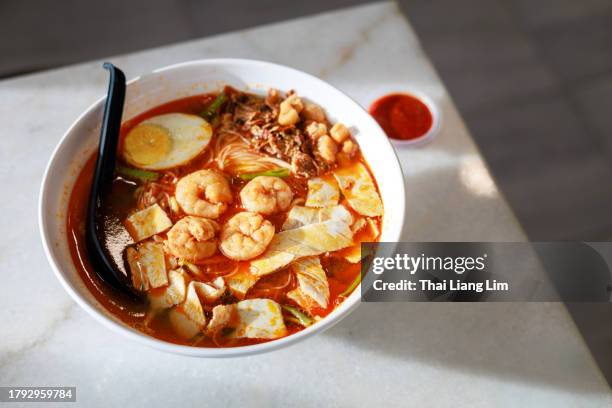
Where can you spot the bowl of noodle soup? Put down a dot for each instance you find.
(233, 157)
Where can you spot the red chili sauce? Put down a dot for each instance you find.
(402, 116)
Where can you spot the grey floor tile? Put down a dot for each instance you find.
(556, 178)
(483, 57)
(57, 33)
(577, 49)
(541, 13)
(227, 15)
(567, 203)
(517, 134)
(54, 33)
(444, 17)
(593, 100)
(482, 71)
(591, 320)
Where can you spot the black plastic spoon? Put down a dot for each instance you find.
(104, 172)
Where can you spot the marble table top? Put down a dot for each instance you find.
(397, 354)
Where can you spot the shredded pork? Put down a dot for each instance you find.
(256, 118)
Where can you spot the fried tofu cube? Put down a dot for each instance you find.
(188, 318)
(259, 319)
(359, 190)
(251, 318)
(173, 294)
(312, 284)
(139, 279)
(322, 192)
(223, 316)
(302, 300)
(182, 324)
(210, 292)
(192, 305)
(148, 222)
(240, 282)
(147, 265)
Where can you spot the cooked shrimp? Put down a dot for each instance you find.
(245, 236)
(266, 195)
(192, 238)
(205, 193)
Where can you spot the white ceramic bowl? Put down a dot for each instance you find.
(190, 78)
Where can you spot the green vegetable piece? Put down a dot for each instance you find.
(143, 175)
(350, 289)
(300, 317)
(213, 109)
(280, 172)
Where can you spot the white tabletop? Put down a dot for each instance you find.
(398, 354)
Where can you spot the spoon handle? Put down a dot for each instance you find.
(111, 125)
(102, 179)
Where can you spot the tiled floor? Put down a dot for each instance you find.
(533, 80)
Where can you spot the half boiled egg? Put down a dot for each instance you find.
(166, 141)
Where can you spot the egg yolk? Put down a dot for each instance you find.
(147, 144)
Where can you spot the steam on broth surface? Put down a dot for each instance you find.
(242, 218)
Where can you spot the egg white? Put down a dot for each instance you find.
(189, 136)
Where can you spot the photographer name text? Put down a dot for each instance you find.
(491, 285)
